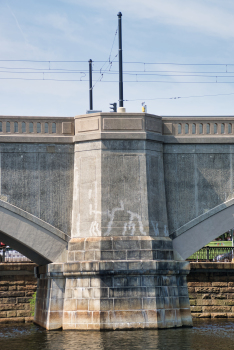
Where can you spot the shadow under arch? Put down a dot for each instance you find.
(31, 236)
(198, 232)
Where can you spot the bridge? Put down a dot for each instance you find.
(109, 205)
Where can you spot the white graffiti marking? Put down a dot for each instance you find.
(94, 229)
(112, 216)
(166, 232)
(131, 225)
(155, 227)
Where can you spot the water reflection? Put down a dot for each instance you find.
(205, 335)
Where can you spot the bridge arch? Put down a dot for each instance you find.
(198, 232)
(31, 236)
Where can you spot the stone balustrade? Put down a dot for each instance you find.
(36, 126)
(198, 126)
(128, 125)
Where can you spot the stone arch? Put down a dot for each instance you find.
(31, 236)
(200, 231)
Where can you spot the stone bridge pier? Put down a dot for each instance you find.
(119, 270)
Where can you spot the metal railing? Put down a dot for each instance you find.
(217, 254)
(9, 255)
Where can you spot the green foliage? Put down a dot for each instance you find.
(32, 302)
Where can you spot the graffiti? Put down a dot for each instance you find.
(166, 232)
(155, 227)
(112, 216)
(131, 226)
(94, 229)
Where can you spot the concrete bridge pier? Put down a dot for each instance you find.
(119, 271)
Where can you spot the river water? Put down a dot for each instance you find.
(205, 335)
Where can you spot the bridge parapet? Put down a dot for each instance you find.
(26, 129)
(194, 127)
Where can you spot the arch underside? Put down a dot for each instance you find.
(198, 232)
(31, 236)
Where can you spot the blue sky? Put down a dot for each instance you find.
(172, 34)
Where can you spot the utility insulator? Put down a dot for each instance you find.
(144, 107)
(113, 107)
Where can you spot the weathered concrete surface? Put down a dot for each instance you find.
(203, 229)
(137, 178)
(198, 178)
(38, 178)
(33, 237)
(120, 272)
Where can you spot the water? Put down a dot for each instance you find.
(205, 335)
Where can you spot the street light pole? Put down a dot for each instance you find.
(90, 86)
(120, 60)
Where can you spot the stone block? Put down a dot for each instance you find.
(77, 293)
(107, 255)
(67, 315)
(126, 316)
(219, 296)
(87, 293)
(83, 317)
(129, 292)
(120, 281)
(150, 303)
(70, 305)
(82, 304)
(197, 309)
(100, 292)
(71, 256)
(201, 315)
(12, 300)
(219, 315)
(12, 320)
(148, 281)
(217, 308)
(102, 317)
(120, 266)
(126, 245)
(207, 290)
(134, 281)
(76, 245)
(121, 255)
(101, 304)
(23, 313)
(89, 255)
(83, 282)
(56, 304)
(146, 255)
(128, 304)
(205, 296)
(14, 313)
(221, 284)
(9, 294)
(200, 284)
(79, 256)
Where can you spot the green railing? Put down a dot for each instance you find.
(215, 253)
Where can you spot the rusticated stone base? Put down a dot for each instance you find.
(211, 290)
(17, 285)
(112, 295)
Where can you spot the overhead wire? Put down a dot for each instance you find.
(109, 61)
(176, 97)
